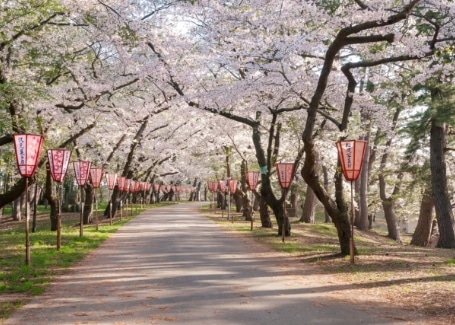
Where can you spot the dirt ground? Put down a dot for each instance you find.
(387, 273)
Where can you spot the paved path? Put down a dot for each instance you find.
(171, 265)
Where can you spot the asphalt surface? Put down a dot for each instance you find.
(172, 265)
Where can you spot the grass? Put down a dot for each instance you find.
(386, 272)
(19, 282)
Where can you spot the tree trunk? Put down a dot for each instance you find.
(264, 162)
(247, 208)
(422, 233)
(441, 199)
(266, 222)
(256, 201)
(309, 206)
(388, 201)
(338, 209)
(18, 208)
(35, 207)
(88, 205)
(198, 191)
(281, 216)
(238, 197)
(221, 200)
(363, 221)
(15, 191)
(53, 201)
(293, 202)
(391, 220)
(326, 188)
(389, 212)
(113, 198)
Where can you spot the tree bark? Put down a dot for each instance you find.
(238, 198)
(53, 202)
(35, 207)
(266, 222)
(266, 190)
(193, 193)
(309, 206)
(422, 233)
(338, 209)
(363, 220)
(293, 200)
(18, 208)
(391, 220)
(88, 205)
(389, 211)
(326, 188)
(441, 199)
(388, 202)
(246, 208)
(15, 191)
(256, 201)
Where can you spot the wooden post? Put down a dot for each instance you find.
(81, 229)
(27, 230)
(59, 235)
(351, 240)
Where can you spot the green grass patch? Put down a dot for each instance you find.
(8, 307)
(321, 238)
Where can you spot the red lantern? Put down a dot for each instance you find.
(81, 171)
(252, 179)
(232, 185)
(285, 172)
(28, 149)
(132, 186)
(129, 185)
(58, 162)
(121, 183)
(111, 180)
(96, 174)
(156, 187)
(222, 186)
(351, 154)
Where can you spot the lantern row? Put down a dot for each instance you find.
(285, 171)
